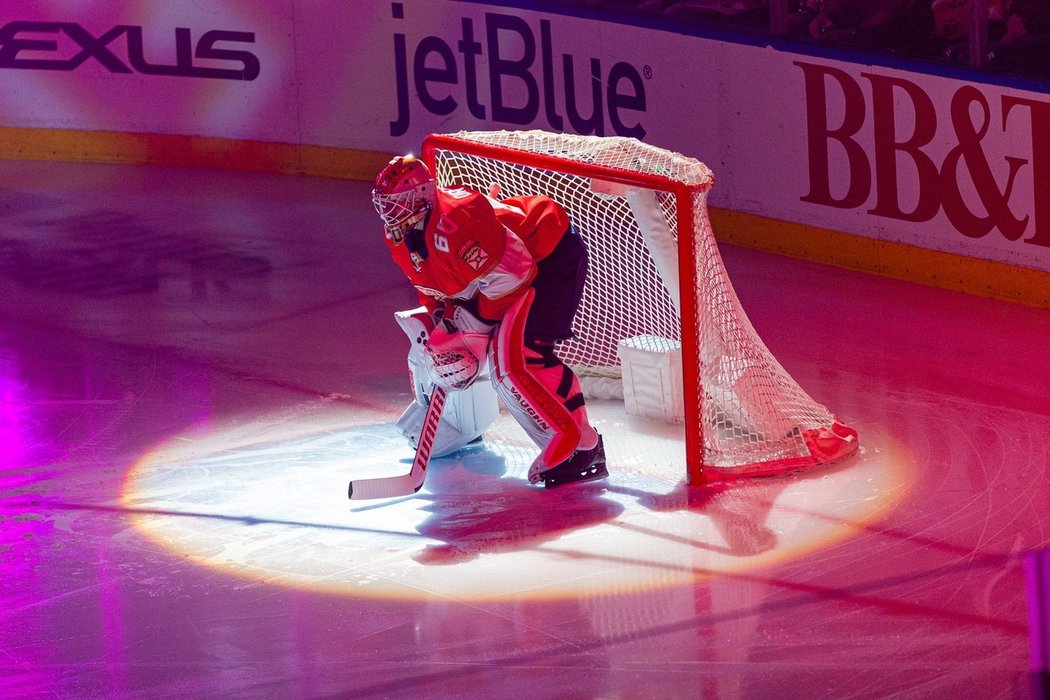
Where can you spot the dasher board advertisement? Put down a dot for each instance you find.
(895, 155)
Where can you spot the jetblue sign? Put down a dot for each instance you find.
(528, 75)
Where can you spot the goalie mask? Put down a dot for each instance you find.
(403, 194)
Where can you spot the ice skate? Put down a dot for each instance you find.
(583, 465)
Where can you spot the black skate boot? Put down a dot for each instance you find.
(583, 465)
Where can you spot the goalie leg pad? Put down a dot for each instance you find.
(540, 392)
(467, 415)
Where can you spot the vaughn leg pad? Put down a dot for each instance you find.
(468, 413)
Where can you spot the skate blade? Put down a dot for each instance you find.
(575, 476)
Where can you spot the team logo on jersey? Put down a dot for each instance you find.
(474, 255)
(430, 292)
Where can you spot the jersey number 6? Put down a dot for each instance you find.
(441, 243)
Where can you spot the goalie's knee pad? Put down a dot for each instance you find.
(540, 391)
(467, 415)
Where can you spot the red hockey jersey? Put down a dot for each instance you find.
(479, 247)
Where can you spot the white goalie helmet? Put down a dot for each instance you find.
(403, 194)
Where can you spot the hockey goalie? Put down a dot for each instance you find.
(499, 282)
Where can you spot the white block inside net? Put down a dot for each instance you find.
(651, 370)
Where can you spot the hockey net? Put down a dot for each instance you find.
(657, 281)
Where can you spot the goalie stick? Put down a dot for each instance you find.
(407, 484)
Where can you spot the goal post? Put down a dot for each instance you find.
(659, 322)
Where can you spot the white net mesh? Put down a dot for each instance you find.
(625, 198)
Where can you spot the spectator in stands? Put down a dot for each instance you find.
(951, 21)
(1024, 47)
(751, 13)
(1018, 35)
(870, 23)
(880, 24)
(1027, 20)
